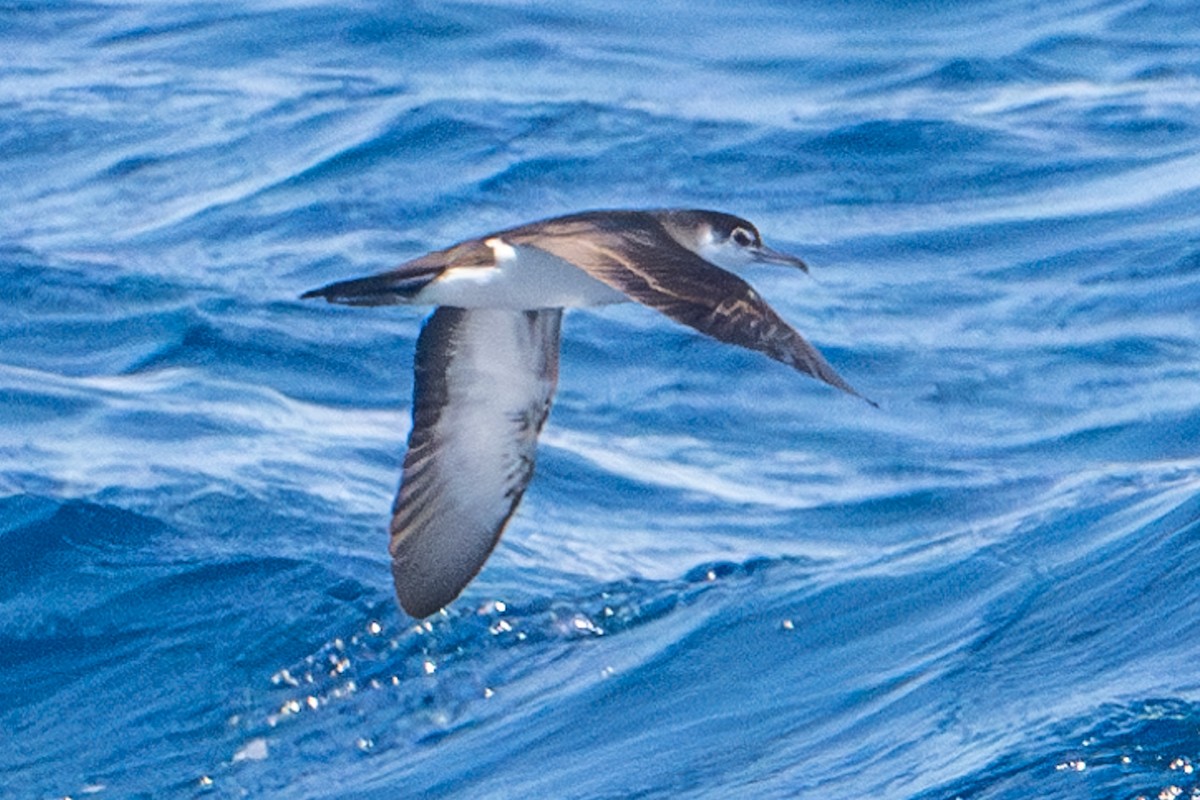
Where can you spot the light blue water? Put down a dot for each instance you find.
(726, 580)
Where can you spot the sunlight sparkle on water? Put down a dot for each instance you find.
(253, 750)
(585, 625)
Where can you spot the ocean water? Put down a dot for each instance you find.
(726, 580)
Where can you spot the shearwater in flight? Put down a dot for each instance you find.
(486, 364)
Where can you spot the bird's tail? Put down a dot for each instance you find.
(395, 287)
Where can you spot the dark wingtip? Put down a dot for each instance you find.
(850, 390)
(824, 372)
(419, 607)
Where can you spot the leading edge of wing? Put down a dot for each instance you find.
(680, 284)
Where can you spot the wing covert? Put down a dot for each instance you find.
(631, 256)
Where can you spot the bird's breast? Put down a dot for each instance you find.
(523, 278)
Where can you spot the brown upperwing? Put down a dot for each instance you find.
(633, 254)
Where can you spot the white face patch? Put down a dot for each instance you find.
(727, 254)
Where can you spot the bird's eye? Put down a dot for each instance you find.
(742, 237)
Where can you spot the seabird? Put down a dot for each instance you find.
(486, 363)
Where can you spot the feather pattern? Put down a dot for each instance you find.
(486, 365)
(483, 387)
(631, 254)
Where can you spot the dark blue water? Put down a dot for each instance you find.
(726, 580)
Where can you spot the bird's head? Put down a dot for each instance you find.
(723, 239)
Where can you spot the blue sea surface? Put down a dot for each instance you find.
(726, 580)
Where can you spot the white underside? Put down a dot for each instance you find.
(524, 278)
